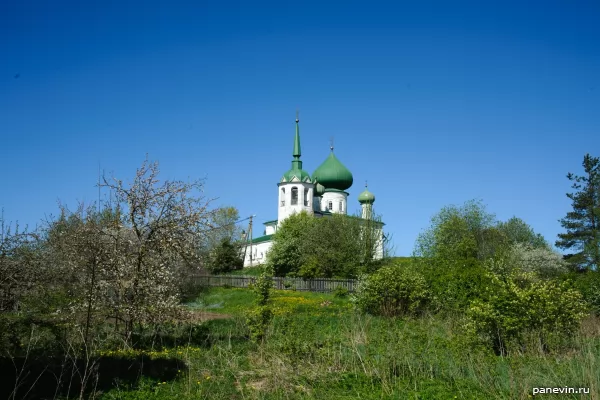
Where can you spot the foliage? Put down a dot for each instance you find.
(588, 283)
(582, 224)
(289, 244)
(516, 231)
(260, 316)
(453, 283)
(341, 292)
(223, 223)
(225, 257)
(520, 303)
(460, 233)
(20, 270)
(338, 245)
(544, 261)
(392, 291)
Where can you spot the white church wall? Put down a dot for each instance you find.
(337, 201)
(259, 254)
(304, 201)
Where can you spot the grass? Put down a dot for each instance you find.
(319, 348)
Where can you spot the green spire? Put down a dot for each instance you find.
(297, 164)
(296, 170)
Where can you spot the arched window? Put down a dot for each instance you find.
(306, 203)
(294, 196)
(282, 200)
(341, 207)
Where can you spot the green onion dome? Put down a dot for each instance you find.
(332, 174)
(366, 197)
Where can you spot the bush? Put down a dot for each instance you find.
(392, 291)
(519, 304)
(454, 284)
(341, 292)
(588, 283)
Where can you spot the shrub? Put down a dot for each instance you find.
(520, 303)
(588, 283)
(392, 291)
(259, 317)
(453, 284)
(341, 292)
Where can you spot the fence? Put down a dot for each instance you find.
(244, 281)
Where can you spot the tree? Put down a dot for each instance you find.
(462, 244)
(225, 257)
(460, 233)
(582, 224)
(224, 226)
(517, 231)
(338, 245)
(160, 226)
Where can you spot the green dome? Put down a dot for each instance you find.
(366, 197)
(332, 174)
(298, 173)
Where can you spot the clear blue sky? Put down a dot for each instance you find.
(435, 103)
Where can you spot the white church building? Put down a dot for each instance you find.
(322, 195)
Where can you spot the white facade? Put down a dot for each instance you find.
(294, 197)
(335, 202)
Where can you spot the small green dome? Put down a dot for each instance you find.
(332, 174)
(366, 197)
(298, 173)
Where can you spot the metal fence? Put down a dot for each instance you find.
(244, 281)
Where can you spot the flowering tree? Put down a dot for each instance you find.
(157, 227)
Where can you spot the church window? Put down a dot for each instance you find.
(282, 197)
(330, 206)
(294, 196)
(306, 197)
(341, 206)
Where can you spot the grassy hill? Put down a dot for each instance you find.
(319, 348)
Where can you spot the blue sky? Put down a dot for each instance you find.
(434, 103)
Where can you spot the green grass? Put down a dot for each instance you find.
(319, 348)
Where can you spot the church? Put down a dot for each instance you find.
(322, 195)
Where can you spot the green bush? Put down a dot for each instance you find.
(514, 306)
(454, 284)
(588, 283)
(341, 292)
(392, 291)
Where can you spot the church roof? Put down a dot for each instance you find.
(261, 239)
(332, 174)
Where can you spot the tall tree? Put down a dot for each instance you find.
(582, 224)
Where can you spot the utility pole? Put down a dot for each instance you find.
(250, 236)
(247, 237)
